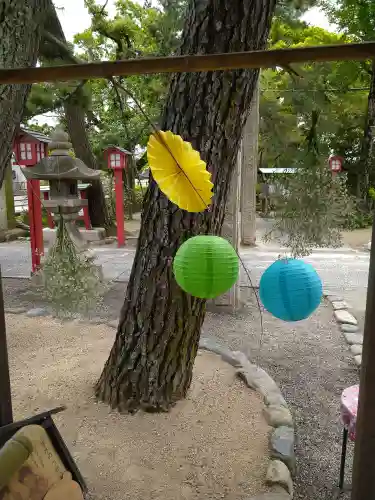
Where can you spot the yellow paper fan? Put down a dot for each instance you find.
(179, 171)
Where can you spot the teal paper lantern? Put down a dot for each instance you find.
(290, 289)
(206, 266)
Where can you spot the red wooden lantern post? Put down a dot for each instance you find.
(29, 148)
(117, 161)
(119, 193)
(335, 164)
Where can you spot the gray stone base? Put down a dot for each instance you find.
(88, 235)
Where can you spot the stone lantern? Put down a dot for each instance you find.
(63, 173)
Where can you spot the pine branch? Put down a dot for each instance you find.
(64, 51)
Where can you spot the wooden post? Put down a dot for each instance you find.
(364, 452)
(6, 414)
(36, 225)
(34, 257)
(119, 193)
(38, 218)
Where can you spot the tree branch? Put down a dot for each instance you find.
(65, 52)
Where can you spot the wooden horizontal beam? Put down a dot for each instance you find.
(190, 64)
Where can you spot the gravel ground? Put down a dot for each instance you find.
(312, 365)
(309, 360)
(20, 293)
(212, 445)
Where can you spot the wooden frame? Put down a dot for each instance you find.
(190, 64)
(364, 463)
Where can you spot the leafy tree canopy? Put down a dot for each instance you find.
(332, 94)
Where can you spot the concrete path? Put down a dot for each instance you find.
(344, 271)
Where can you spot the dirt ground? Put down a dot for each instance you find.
(310, 360)
(357, 238)
(213, 445)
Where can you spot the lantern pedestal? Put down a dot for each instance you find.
(91, 236)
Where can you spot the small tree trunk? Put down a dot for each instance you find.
(150, 365)
(367, 158)
(20, 26)
(230, 301)
(75, 117)
(249, 173)
(9, 196)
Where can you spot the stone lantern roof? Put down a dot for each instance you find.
(60, 165)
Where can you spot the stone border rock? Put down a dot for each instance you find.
(348, 326)
(282, 464)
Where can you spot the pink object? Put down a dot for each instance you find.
(349, 406)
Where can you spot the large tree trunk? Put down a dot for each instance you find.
(75, 117)
(20, 26)
(151, 362)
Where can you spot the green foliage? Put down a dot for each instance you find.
(135, 199)
(311, 207)
(291, 10)
(134, 31)
(357, 218)
(24, 217)
(352, 16)
(70, 282)
(334, 94)
(357, 19)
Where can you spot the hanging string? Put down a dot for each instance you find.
(160, 138)
(163, 142)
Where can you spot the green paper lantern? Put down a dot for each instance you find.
(206, 266)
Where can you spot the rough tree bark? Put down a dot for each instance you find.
(20, 30)
(54, 47)
(151, 362)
